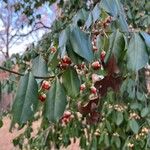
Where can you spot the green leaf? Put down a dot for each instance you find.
(56, 102)
(121, 17)
(71, 82)
(96, 12)
(136, 53)
(75, 58)
(63, 40)
(115, 9)
(26, 100)
(1, 123)
(106, 140)
(89, 21)
(117, 44)
(82, 14)
(101, 139)
(93, 16)
(15, 142)
(117, 141)
(145, 112)
(108, 126)
(140, 96)
(119, 118)
(134, 125)
(83, 142)
(109, 6)
(63, 37)
(39, 67)
(135, 106)
(146, 39)
(94, 143)
(81, 44)
(52, 60)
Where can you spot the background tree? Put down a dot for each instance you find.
(84, 80)
(16, 26)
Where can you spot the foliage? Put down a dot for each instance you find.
(84, 81)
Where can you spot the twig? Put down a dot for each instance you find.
(21, 74)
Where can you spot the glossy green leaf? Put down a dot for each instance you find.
(136, 105)
(55, 102)
(118, 142)
(137, 54)
(145, 111)
(71, 82)
(134, 125)
(75, 58)
(82, 142)
(89, 21)
(26, 100)
(117, 44)
(141, 96)
(63, 37)
(108, 125)
(146, 37)
(106, 140)
(94, 143)
(102, 42)
(93, 16)
(109, 6)
(39, 66)
(81, 15)
(115, 9)
(119, 118)
(96, 12)
(121, 19)
(101, 138)
(52, 60)
(81, 44)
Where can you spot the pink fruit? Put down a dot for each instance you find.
(66, 60)
(93, 90)
(53, 49)
(102, 55)
(96, 65)
(67, 114)
(45, 85)
(42, 97)
(82, 87)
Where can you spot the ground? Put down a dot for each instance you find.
(6, 137)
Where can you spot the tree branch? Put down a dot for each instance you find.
(43, 25)
(26, 34)
(21, 74)
(2, 52)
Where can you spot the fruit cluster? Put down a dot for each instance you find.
(53, 49)
(93, 90)
(96, 65)
(44, 87)
(65, 62)
(66, 118)
(107, 21)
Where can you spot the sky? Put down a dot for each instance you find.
(19, 48)
(48, 16)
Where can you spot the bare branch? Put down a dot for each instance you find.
(43, 25)
(3, 52)
(21, 74)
